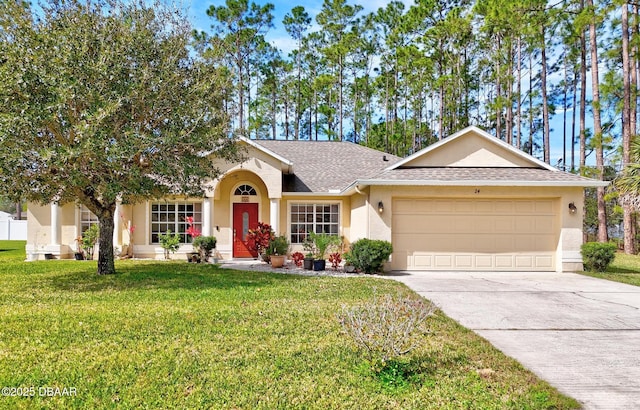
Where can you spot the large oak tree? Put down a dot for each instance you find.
(104, 101)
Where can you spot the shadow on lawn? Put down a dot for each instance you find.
(165, 275)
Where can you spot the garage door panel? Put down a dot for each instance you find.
(466, 234)
(504, 262)
(544, 207)
(484, 261)
(484, 207)
(503, 224)
(503, 207)
(543, 225)
(423, 261)
(443, 261)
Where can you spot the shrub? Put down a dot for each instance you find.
(597, 256)
(205, 245)
(369, 255)
(386, 327)
(258, 239)
(170, 242)
(89, 239)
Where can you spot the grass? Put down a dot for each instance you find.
(178, 335)
(625, 268)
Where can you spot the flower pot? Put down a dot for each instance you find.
(277, 261)
(349, 268)
(193, 257)
(307, 263)
(319, 264)
(78, 256)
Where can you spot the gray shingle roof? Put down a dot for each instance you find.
(482, 176)
(323, 166)
(331, 166)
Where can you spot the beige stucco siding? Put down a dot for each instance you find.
(472, 151)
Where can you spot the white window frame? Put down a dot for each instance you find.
(174, 219)
(295, 235)
(86, 218)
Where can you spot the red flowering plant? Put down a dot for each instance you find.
(191, 229)
(258, 239)
(297, 257)
(335, 259)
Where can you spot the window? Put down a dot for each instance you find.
(173, 216)
(87, 218)
(319, 218)
(245, 190)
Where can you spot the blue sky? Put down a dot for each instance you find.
(279, 38)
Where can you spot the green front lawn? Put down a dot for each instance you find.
(625, 268)
(178, 335)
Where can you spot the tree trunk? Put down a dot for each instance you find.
(519, 96)
(545, 103)
(106, 265)
(603, 235)
(583, 102)
(627, 212)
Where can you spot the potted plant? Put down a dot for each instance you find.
(298, 258)
(89, 239)
(322, 242)
(277, 250)
(170, 242)
(194, 232)
(205, 246)
(78, 254)
(349, 267)
(307, 245)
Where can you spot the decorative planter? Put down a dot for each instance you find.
(319, 264)
(307, 263)
(349, 268)
(49, 256)
(78, 256)
(193, 257)
(277, 261)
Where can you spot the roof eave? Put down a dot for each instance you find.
(388, 182)
(314, 194)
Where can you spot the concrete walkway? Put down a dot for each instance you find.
(580, 334)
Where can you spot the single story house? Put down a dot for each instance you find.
(468, 202)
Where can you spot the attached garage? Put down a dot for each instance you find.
(472, 202)
(495, 234)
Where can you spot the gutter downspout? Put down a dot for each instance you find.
(367, 208)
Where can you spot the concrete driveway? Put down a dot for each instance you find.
(580, 334)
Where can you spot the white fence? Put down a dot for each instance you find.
(13, 230)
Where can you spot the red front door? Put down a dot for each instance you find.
(245, 217)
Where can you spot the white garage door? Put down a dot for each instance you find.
(470, 234)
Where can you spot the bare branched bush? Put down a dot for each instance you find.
(387, 327)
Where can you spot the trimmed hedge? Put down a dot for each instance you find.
(369, 255)
(597, 256)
